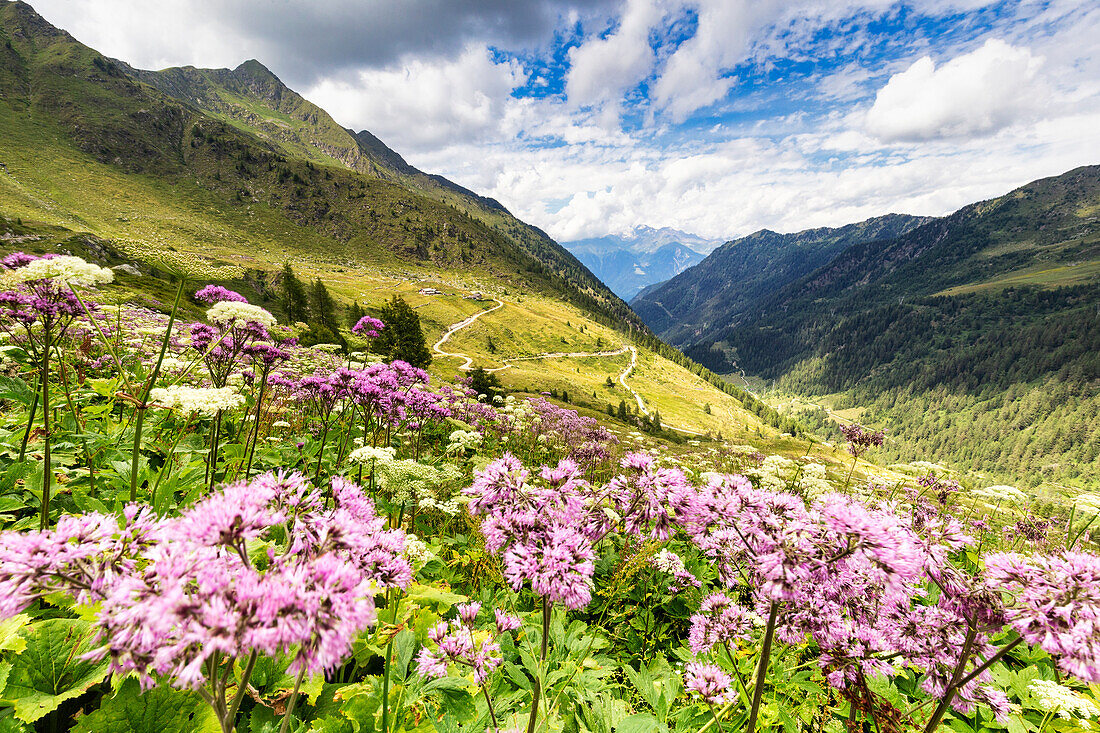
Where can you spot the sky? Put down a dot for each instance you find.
(716, 117)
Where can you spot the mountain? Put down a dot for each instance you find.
(714, 293)
(973, 338)
(628, 264)
(225, 140)
(225, 175)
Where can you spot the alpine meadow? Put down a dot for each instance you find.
(739, 370)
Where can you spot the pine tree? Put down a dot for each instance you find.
(402, 338)
(486, 383)
(623, 414)
(322, 307)
(293, 298)
(355, 312)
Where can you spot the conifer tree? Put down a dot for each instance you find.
(402, 338)
(355, 312)
(323, 307)
(293, 298)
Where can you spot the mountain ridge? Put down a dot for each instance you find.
(713, 293)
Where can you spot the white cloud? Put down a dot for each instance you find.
(973, 94)
(602, 69)
(425, 104)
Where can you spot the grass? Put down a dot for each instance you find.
(1041, 275)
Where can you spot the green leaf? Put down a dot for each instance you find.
(10, 640)
(422, 594)
(162, 709)
(50, 670)
(404, 644)
(640, 723)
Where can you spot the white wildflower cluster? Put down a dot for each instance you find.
(669, 562)
(416, 551)
(280, 424)
(66, 269)
(228, 313)
(462, 440)
(1064, 702)
(774, 473)
(410, 480)
(160, 251)
(368, 455)
(172, 364)
(812, 482)
(450, 507)
(203, 400)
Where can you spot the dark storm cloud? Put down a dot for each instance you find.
(308, 40)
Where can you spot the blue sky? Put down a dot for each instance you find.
(717, 117)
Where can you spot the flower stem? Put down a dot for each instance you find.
(30, 420)
(762, 667)
(955, 683)
(148, 387)
(47, 469)
(212, 462)
(293, 700)
(245, 677)
(714, 714)
(547, 608)
(389, 663)
(492, 713)
(256, 426)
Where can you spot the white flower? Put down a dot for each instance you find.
(460, 440)
(203, 400)
(280, 424)
(66, 268)
(416, 551)
(229, 313)
(1054, 698)
(367, 454)
(668, 562)
(1003, 493)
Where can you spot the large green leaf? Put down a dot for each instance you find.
(162, 709)
(50, 670)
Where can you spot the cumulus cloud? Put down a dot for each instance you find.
(603, 68)
(973, 94)
(569, 111)
(423, 104)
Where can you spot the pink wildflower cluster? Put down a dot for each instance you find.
(544, 530)
(720, 621)
(176, 592)
(1057, 605)
(709, 682)
(459, 642)
(860, 439)
(584, 439)
(368, 327)
(849, 576)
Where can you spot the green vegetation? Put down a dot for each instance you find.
(941, 340)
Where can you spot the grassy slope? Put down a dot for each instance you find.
(255, 101)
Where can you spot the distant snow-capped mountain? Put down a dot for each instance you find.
(628, 264)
